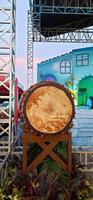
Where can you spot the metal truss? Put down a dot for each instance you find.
(64, 10)
(64, 6)
(30, 51)
(66, 3)
(7, 73)
(31, 30)
(65, 35)
(68, 33)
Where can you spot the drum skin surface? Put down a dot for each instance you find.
(47, 108)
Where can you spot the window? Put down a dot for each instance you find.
(82, 59)
(65, 67)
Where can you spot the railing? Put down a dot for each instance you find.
(86, 158)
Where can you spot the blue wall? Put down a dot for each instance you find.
(52, 67)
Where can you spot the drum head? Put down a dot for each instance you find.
(48, 108)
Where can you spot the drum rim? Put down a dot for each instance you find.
(43, 84)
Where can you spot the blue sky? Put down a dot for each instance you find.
(42, 51)
(21, 40)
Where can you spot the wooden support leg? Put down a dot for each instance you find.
(24, 158)
(55, 157)
(69, 153)
(42, 156)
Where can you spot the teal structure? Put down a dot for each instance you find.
(74, 70)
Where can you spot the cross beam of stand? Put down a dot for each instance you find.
(47, 150)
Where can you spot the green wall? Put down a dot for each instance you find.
(85, 89)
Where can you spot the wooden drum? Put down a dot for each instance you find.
(47, 108)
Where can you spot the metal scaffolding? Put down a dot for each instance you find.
(7, 75)
(30, 50)
(72, 32)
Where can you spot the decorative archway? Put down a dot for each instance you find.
(85, 90)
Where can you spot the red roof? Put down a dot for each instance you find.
(3, 87)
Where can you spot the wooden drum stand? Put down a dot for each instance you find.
(47, 150)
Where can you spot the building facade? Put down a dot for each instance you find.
(74, 70)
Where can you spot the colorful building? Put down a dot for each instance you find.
(74, 70)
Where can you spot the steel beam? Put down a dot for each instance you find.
(7, 70)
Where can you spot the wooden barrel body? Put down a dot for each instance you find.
(47, 108)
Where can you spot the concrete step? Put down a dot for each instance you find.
(85, 125)
(85, 129)
(84, 114)
(76, 132)
(82, 141)
(85, 120)
(83, 110)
